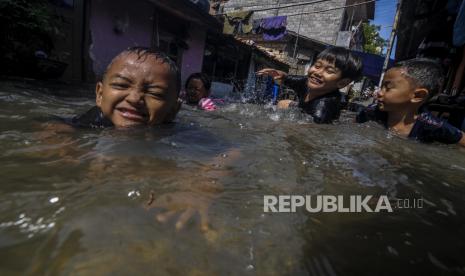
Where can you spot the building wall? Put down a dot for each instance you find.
(68, 48)
(135, 26)
(320, 26)
(192, 58)
(133, 21)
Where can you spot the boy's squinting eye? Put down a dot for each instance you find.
(119, 85)
(331, 71)
(156, 94)
(386, 86)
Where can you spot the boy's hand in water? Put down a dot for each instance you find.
(276, 74)
(198, 193)
(188, 204)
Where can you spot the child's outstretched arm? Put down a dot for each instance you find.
(277, 75)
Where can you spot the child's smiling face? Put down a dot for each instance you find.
(325, 77)
(196, 91)
(138, 91)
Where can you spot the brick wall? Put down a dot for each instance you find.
(320, 26)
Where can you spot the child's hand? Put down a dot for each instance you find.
(284, 104)
(276, 74)
(186, 203)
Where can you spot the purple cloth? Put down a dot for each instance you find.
(274, 28)
(275, 22)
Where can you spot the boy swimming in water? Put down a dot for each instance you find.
(318, 92)
(140, 87)
(405, 89)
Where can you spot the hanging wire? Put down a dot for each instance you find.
(286, 6)
(313, 12)
(332, 9)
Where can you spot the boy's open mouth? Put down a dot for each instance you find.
(316, 81)
(132, 114)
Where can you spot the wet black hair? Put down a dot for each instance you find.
(425, 73)
(202, 77)
(144, 52)
(350, 64)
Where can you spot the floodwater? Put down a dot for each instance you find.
(76, 203)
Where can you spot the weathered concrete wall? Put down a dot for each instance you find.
(192, 58)
(320, 26)
(134, 28)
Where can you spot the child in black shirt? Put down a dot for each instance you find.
(405, 89)
(318, 92)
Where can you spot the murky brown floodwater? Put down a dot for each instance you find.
(73, 204)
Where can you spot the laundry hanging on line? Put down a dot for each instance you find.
(272, 28)
(238, 23)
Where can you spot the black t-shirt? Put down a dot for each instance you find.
(427, 128)
(93, 118)
(323, 109)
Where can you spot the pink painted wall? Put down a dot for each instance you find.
(192, 58)
(134, 18)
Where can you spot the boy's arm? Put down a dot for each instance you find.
(59, 140)
(298, 84)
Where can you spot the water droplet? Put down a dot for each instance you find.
(54, 200)
(133, 193)
(250, 267)
(392, 251)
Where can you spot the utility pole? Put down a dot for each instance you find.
(277, 10)
(391, 41)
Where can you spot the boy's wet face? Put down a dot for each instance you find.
(396, 91)
(324, 76)
(195, 91)
(137, 91)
